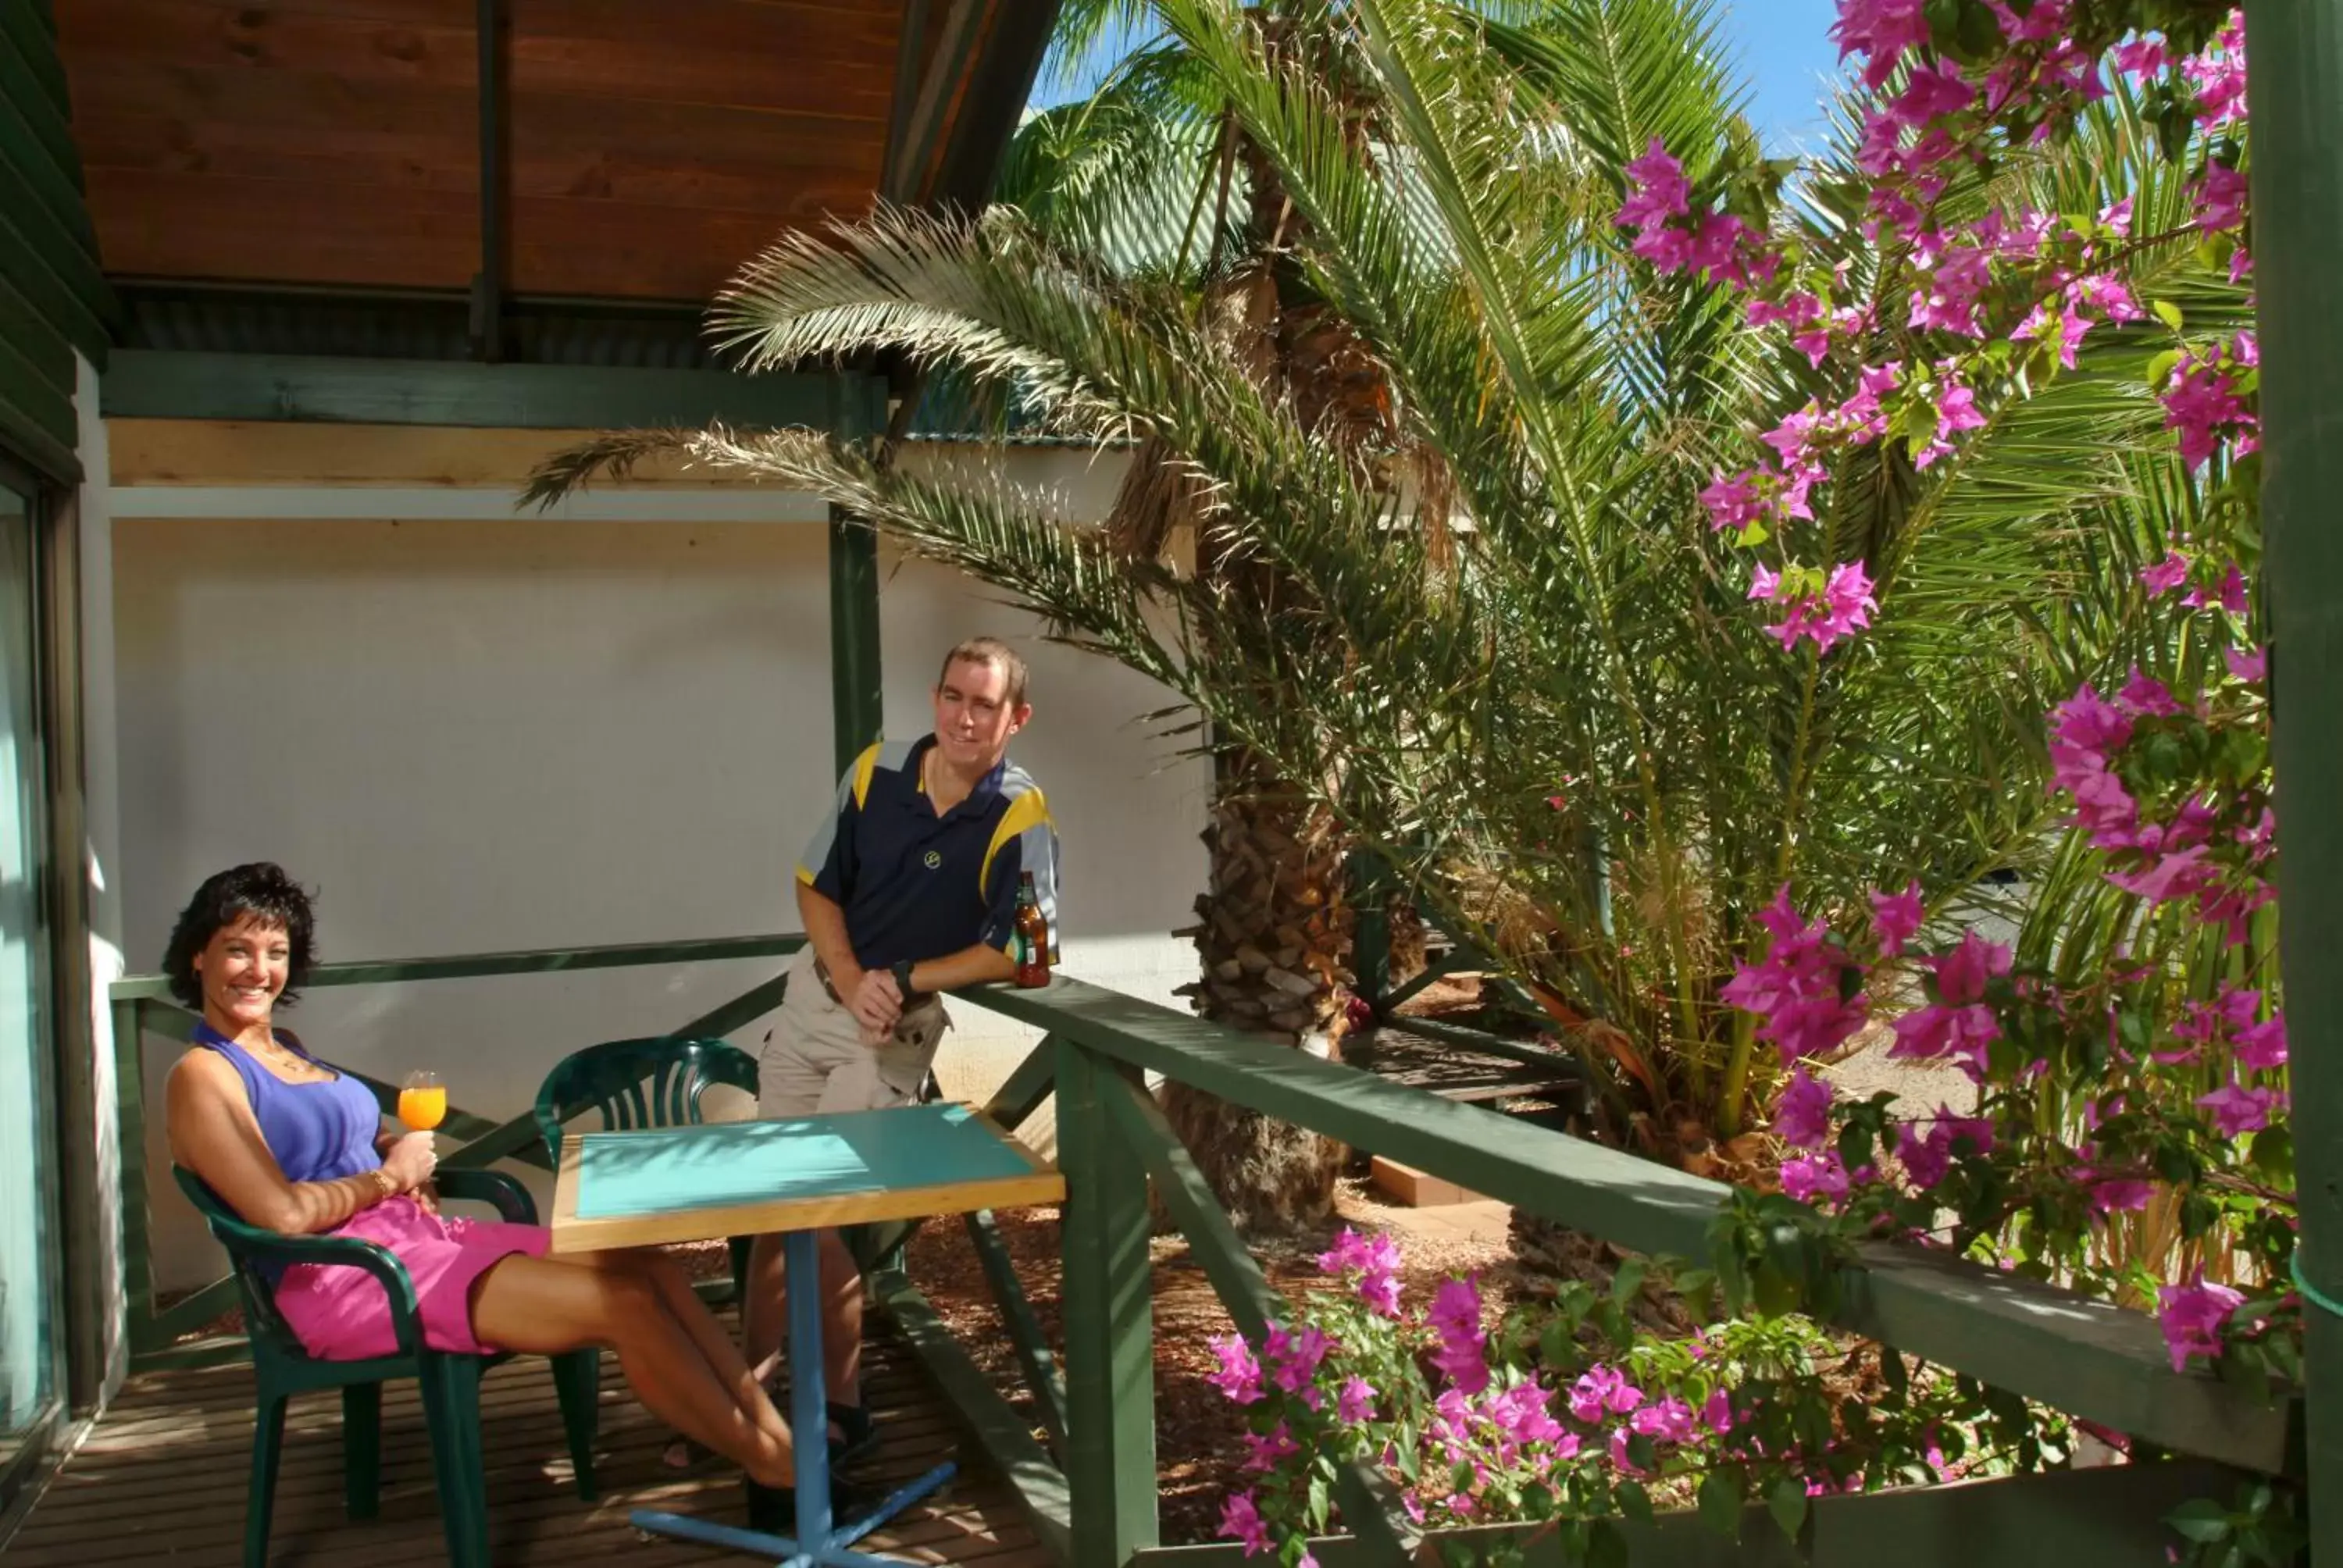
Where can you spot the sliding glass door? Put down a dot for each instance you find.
(30, 1360)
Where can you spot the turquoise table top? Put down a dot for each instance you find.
(675, 1183)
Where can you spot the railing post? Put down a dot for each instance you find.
(2296, 80)
(1109, 1320)
(130, 1134)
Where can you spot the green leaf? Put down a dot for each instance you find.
(1720, 1504)
(1788, 1504)
(1321, 1502)
(1628, 1281)
(2201, 1519)
(2167, 313)
(1635, 1501)
(1694, 1286)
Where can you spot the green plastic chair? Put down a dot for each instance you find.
(635, 1083)
(450, 1381)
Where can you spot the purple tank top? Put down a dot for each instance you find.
(319, 1131)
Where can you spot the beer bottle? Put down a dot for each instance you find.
(1032, 935)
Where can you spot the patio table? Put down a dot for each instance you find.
(798, 1177)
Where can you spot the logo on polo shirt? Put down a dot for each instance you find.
(933, 858)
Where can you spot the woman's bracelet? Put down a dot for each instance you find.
(384, 1185)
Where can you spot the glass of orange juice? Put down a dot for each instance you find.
(423, 1100)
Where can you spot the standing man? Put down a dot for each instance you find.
(907, 888)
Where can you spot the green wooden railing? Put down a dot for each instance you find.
(2082, 1356)
(1088, 1480)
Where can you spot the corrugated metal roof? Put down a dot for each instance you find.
(216, 320)
(394, 326)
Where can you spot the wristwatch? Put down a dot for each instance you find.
(903, 973)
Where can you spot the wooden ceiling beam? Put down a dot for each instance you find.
(495, 181)
(914, 136)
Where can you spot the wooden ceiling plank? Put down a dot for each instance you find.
(264, 38)
(236, 230)
(655, 55)
(619, 250)
(254, 231)
(283, 123)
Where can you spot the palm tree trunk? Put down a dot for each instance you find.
(1274, 937)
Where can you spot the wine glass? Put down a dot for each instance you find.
(422, 1100)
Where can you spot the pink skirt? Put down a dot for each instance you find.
(342, 1314)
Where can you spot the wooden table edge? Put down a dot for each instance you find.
(573, 1234)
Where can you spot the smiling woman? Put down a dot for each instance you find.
(291, 1144)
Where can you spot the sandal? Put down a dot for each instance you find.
(857, 1438)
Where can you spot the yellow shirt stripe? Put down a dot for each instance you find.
(1026, 810)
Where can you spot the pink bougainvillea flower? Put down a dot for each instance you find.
(1734, 502)
(2166, 575)
(1802, 1116)
(1263, 1452)
(1961, 974)
(2192, 1316)
(1896, 917)
(2142, 57)
(2248, 666)
(1810, 1178)
(2147, 696)
(1795, 987)
(1880, 31)
(2110, 297)
(2119, 1194)
(1657, 189)
(1293, 1358)
(1241, 1521)
(1926, 1159)
(1520, 1412)
(1716, 1414)
(1668, 1420)
(2220, 194)
(2219, 75)
(1603, 1391)
(1239, 1374)
(2237, 1111)
(2062, 330)
(2176, 874)
(2230, 596)
(2262, 1046)
(1931, 91)
(1455, 1317)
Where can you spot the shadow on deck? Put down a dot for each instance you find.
(162, 1479)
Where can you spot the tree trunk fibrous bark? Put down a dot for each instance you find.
(1274, 937)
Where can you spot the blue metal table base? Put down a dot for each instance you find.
(816, 1541)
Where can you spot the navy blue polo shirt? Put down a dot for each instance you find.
(917, 885)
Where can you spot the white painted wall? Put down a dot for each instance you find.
(482, 735)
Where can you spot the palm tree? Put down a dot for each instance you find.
(1154, 176)
(1497, 642)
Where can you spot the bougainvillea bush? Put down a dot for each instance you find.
(1566, 1416)
(2128, 1132)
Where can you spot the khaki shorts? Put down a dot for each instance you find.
(814, 1061)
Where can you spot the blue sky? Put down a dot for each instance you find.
(1782, 48)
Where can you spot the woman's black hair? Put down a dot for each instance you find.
(261, 891)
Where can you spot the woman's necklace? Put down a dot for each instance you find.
(279, 1056)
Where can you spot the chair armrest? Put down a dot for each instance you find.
(248, 1244)
(513, 1203)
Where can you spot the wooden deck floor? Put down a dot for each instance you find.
(162, 1480)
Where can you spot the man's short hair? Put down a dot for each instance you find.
(989, 650)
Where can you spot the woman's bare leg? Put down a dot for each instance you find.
(546, 1306)
(722, 1355)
